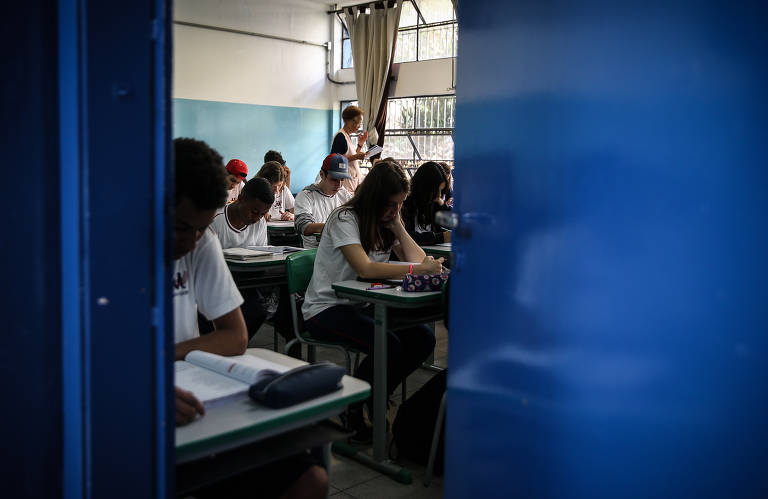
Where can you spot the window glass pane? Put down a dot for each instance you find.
(435, 112)
(408, 16)
(406, 46)
(435, 11)
(435, 147)
(400, 114)
(455, 39)
(436, 42)
(398, 147)
(344, 32)
(346, 54)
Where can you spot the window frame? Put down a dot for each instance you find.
(421, 25)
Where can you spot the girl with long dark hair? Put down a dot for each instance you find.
(426, 198)
(357, 240)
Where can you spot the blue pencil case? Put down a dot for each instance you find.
(298, 385)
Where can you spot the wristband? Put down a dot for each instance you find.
(410, 269)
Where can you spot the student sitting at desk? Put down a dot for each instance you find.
(239, 225)
(202, 281)
(283, 198)
(357, 241)
(274, 173)
(316, 201)
(426, 199)
(236, 172)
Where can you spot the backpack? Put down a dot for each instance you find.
(414, 424)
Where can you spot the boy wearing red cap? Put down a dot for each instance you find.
(237, 170)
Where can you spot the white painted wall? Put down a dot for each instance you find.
(228, 67)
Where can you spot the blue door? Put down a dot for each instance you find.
(609, 322)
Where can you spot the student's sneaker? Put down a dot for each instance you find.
(355, 421)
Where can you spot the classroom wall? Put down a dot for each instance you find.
(244, 94)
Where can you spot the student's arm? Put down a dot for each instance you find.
(229, 338)
(407, 250)
(304, 220)
(187, 407)
(313, 228)
(365, 268)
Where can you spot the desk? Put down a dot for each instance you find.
(282, 233)
(261, 272)
(439, 250)
(382, 300)
(241, 421)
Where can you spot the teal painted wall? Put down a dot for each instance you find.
(247, 131)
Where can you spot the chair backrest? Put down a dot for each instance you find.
(299, 268)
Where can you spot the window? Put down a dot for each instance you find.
(427, 30)
(346, 48)
(419, 129)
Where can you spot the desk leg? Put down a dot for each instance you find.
(380, 383)
(379, 461)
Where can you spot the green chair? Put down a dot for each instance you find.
(299, 267)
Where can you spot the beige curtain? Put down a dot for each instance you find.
(372, 37)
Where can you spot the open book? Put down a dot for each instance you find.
(214, 378)
(276, 250)
(244, 254)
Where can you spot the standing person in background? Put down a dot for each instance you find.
(426, 198)
(283, 199)
(316, 201)
(274, 173)
(237, 170)
(342, 144)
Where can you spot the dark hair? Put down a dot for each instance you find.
(351, 112)
(200, 174)
(272, 171)
(386, 179)
(274, 156)
(425, 187)
(258, 188)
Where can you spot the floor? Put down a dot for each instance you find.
(350, 479)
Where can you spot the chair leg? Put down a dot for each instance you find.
(435, 441)
(311, 354)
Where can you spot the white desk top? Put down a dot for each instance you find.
(242, 421)
(280, 223)
(391, 295)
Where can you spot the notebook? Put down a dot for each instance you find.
(244, 254)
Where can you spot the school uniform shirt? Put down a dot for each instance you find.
(234, 192)
(331, 266)
(230, 237)
(314, 206)
(201, 281)
(283, 202)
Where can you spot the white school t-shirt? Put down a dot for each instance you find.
(331, 266)
(283, 202)
(317, 206)
(201, 280)
(234, 192)
(230, 237)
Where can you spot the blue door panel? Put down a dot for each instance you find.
(608, 319)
